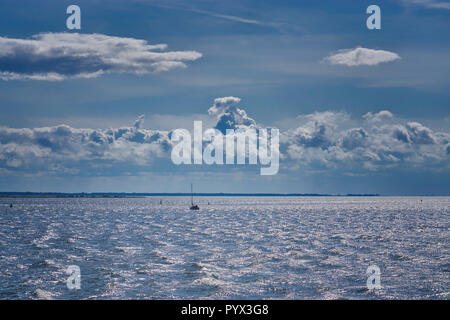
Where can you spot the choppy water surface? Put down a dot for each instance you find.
(233, 248)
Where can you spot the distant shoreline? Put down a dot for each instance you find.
(112, 195)
(143, 195)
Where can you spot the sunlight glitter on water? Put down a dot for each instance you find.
(235, 247)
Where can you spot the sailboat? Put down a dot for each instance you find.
(193, 206)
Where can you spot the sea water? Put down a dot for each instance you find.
(232, 248)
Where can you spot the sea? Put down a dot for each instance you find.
(232, 248)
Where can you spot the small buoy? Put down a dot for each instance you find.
(11, 205)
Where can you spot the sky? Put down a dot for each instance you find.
(93, 110)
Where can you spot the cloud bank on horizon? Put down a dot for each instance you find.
(59, 56)
(321, 140)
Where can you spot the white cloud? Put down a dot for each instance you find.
(420, 134)
(229, 116)
(379, 141)
(429, 3)
(58, 56)
(354, 138)
(50, 147)
(319, 141)
(361, 56)
(383, 115)
(234, 18)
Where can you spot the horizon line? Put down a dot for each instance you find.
(6, 194)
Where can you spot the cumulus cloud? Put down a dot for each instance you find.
(229, 116)
(354, 138)
(401, 134)
(382, 115)
(315, 130)
(64, 146)
(319, 141)
(361, 56)
(414, 132)
(316, 135)
(58, 56)
(326, 141)
(420, 134)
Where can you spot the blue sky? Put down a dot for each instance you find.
(273, 55)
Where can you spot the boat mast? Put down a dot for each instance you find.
(192, 195)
